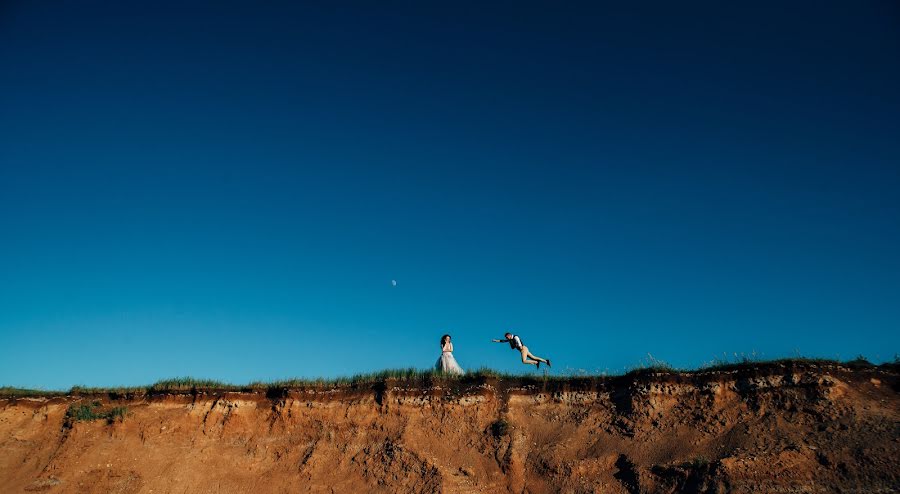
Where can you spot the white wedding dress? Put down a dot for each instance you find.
(447, 364)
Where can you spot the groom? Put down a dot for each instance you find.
(515, 343)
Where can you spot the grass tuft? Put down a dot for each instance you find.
(742, 362)
(860, 362)
(13, 392)
(187, 384)
(652, 365)
(87, 412)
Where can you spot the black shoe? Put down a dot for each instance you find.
(538, 365)
(548, 363)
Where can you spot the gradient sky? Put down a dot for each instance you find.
(227, 189)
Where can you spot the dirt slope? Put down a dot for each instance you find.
(775, 428)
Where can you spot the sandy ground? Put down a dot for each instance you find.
(773, 429)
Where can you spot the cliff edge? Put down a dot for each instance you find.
(782, 427)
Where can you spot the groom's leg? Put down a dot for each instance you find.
(526, 360)
(535, 357)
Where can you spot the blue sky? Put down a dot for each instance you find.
(227, 189)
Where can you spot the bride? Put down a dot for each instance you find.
(446, 363)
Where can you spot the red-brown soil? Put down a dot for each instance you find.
(770, 429)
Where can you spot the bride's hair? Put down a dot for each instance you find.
(444, 338)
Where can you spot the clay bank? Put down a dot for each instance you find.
(778, 427)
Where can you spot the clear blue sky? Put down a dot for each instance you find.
(227, 189)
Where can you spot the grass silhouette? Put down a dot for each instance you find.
(427, 377)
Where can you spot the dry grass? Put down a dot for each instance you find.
(418, 377)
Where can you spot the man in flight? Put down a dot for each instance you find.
(527, 357)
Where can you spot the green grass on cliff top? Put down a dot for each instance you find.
(412, 376)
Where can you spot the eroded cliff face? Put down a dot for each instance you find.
(767, 429)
